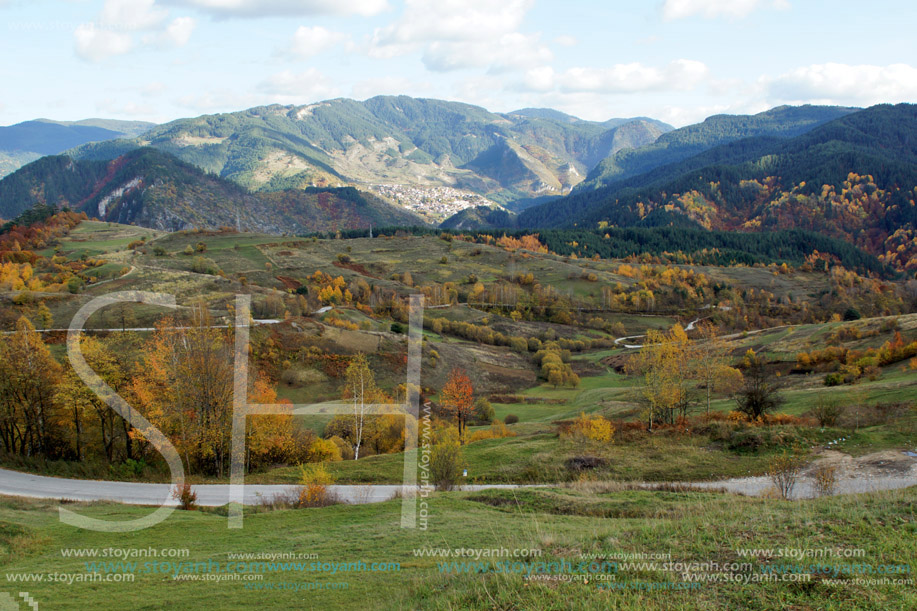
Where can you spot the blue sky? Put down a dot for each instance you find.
(675, 60)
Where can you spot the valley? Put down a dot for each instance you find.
(711, 343)
(561, 406)
(419, 305)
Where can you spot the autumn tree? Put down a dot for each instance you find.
(44, 316)
(759, 395)
(188, 389)
(74, 397)
(29, 414)
(380, 433)
(88, 416)
(663, 370)
(711, 362)
(554, 366)
(275, 438)
(185, 388)
(458, 399)
(360, 389)
(483, 411)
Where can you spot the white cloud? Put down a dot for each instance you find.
(539, 79)
(130, 15)
(679, 75)
(284, 8)
(118, 108)
(389, 50)
(453, 20)
(176, 34)
(509, 51)
(484, 90)
(858, 85)
(289, 87)
(94, 44)
(680, 9)
(310, 41)
(113, 32)
(179, 31)
(459, 34)
(153, 89)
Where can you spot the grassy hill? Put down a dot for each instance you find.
(579, 515)
(398, 140)
(150, 188)
(268, 267)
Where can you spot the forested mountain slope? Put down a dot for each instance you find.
(154, 189)
(854, 178)
(394, 140)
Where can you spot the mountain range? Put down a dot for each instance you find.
(846, 173)
(854, 177)
(25, 142)
(154, 189)
(394, 140)
(686, 142)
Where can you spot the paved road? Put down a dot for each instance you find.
(256, 321)
(620, 341)
(691, 325)
(15, 483)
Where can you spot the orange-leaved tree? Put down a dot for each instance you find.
(458, 398)
(29, 413)
(188, 374)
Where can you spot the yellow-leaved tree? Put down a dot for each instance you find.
(29, 413)
(664, 372)
(711, 363)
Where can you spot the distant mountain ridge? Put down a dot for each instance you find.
(717, 130)
(393, 140)
(853, 178)
(151, 188)
(25, 142)
(846, 173)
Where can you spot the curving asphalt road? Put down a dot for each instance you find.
(15, 483)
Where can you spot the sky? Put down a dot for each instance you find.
(674, 60)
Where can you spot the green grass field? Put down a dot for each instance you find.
(591, 513)
(578, 525)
